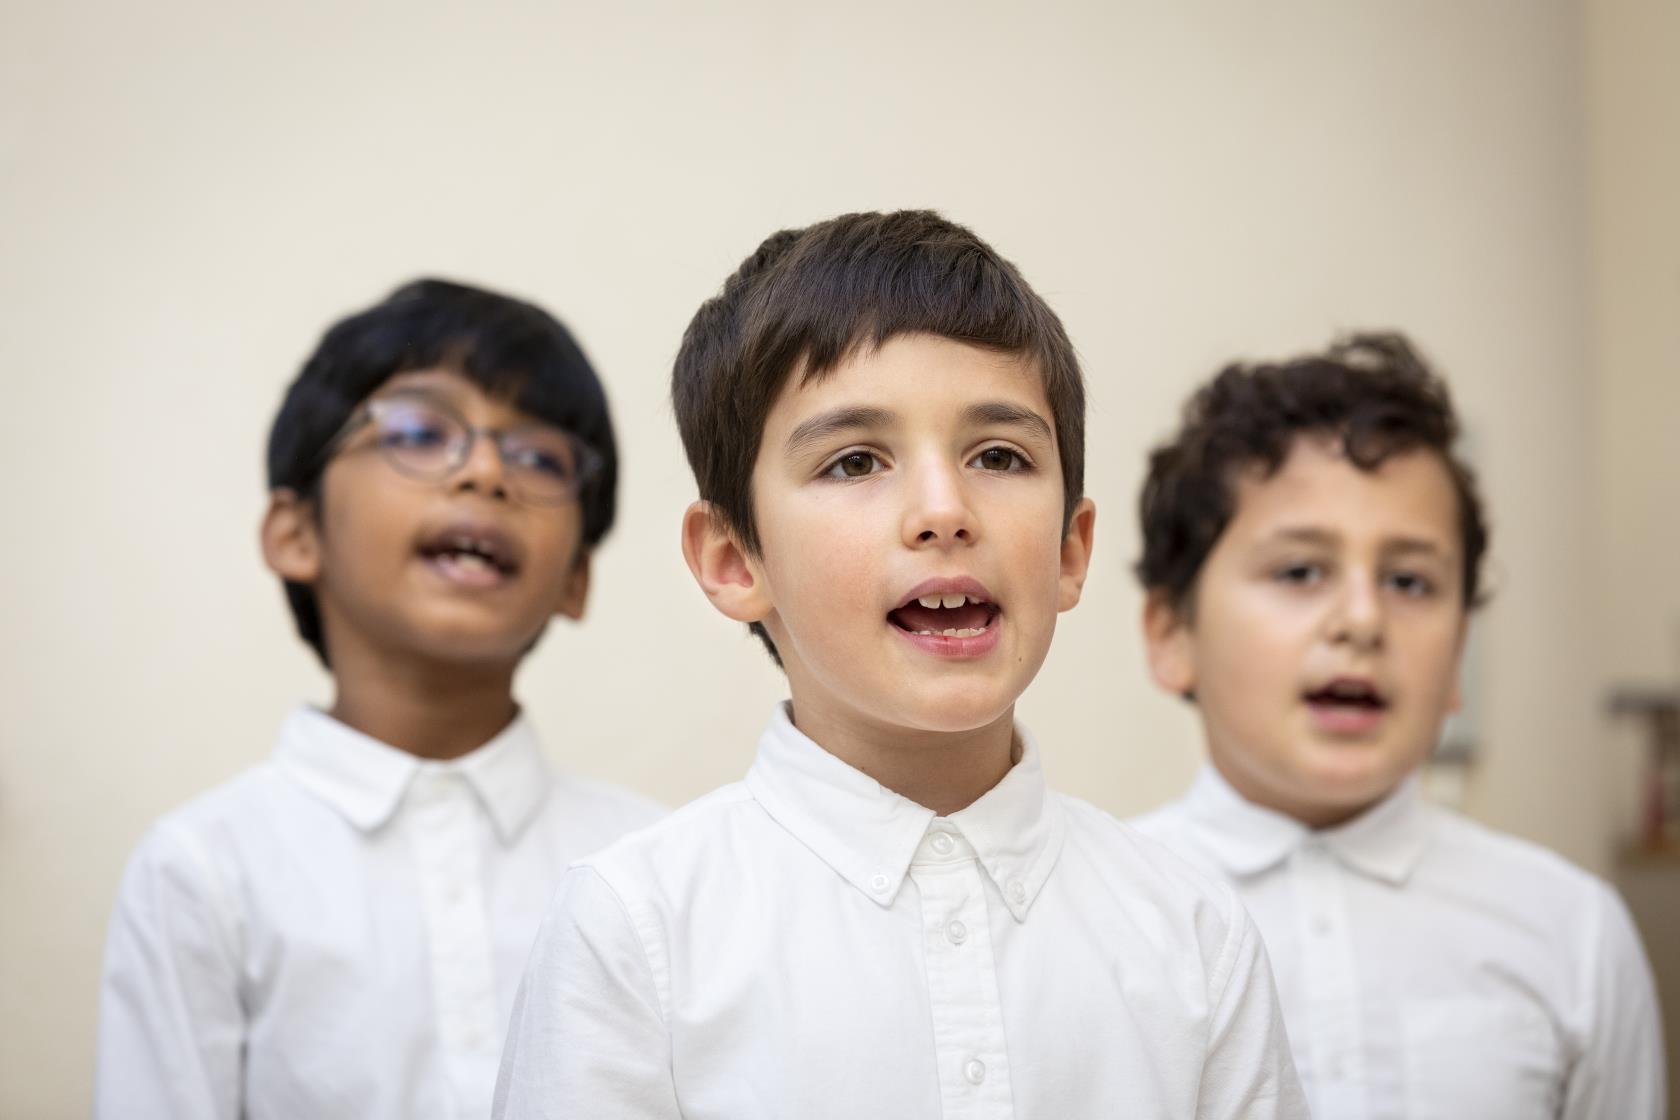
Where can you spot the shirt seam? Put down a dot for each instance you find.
(661, 981)
(229, 939)
(1235, 934)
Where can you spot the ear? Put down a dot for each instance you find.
(575, 595)
(1168, 646)
(1076, 554)
(730, 578)
(291, 540)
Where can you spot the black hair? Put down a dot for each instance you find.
(506, 346)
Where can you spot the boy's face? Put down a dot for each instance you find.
(457, 569)
(1323, 642)
(912, 558)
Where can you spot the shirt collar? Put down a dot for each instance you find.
(365, 780)
(868, 834)
(1384, 842)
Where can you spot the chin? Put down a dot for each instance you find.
(957, 714)
(470, 647)
(1345, 787)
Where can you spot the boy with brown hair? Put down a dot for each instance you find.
(1312, 549)
(892, 915)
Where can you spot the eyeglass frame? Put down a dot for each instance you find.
(590, 462)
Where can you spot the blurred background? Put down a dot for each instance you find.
(191, 191)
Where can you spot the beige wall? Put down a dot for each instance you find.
(1634, 63)
(188, 196)
(1633, 87)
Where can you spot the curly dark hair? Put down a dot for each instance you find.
(1373, 392)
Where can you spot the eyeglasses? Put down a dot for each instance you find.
(425, 439)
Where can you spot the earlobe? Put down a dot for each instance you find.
(291, 541)
(575, 597)
(721, 566)
(1166, 638)
(1076, 554)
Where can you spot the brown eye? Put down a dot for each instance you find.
(855, 464)
(999, 459)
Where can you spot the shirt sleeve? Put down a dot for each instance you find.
(171, 1026)
(1249, 1072)
(588, 1037)
(1619, 1071)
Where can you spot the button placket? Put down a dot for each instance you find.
(1332, 1008)
(444, 833)
(968, 1035)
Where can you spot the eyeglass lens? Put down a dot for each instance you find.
(423, 440)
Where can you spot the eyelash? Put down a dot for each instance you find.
(1422, 586)
(834, 468)
(1020, 462)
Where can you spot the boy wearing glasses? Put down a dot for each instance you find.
(339, 931)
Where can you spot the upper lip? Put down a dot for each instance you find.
(471, 534)
(948, 585)
(1351, 685)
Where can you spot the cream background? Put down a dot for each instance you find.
(189, 194)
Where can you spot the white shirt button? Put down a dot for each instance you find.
(1320, 924)
(878, 884)
(975, 1070)
(956, 932)
(942, 843)
(1017, 891)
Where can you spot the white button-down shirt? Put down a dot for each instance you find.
(1432, 968)
(806, 944)
(340, 931)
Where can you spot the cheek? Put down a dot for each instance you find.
(1257, 628)
(1249, 650)
(1432, 653)
(820, 555)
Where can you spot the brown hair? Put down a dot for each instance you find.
(811, 298)
(1372, 392)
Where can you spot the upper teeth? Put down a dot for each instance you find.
(934, 602)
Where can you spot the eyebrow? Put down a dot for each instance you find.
(824, 425)
(1327, 538)
(1003, 412)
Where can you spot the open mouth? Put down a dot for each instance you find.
(1348, 697)
(949, 614)
(475, 556)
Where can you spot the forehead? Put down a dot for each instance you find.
(459, 391)
(918, 377)
(1410, 495)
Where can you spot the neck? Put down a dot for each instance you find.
(430, 710)
(943, 771)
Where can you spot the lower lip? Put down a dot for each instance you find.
(475, 577)
(1346, 719)
(945, 645)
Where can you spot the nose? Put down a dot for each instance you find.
(937, 513)
(483, 471)
(1357, 618)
